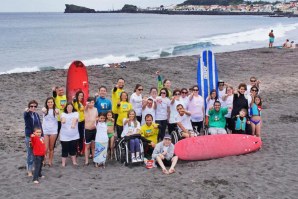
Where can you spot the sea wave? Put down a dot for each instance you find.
(186, 48)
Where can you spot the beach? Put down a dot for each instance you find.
(271, 172)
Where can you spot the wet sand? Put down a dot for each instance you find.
(271, 172)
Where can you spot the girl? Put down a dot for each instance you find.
(69, 133)
(228, 102)
(255, 111)
(136, 101)
(211, 99)
(32, 121)
(50, 128)
(111, 131)
(122, 109)
(131, 132)
(162, 112)
(78, 105)
(241, 121)
(101, 141)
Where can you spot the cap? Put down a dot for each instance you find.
(167, 136)
(221, 81)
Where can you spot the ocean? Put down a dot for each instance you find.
(42, 41)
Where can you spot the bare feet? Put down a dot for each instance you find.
(171, 171)
(165, 171)
(30, 174)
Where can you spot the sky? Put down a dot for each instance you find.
(59, 5)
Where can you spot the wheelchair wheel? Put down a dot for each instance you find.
(127, 155)
(175, 137)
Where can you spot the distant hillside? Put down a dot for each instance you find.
(212, 2)
(77, 9)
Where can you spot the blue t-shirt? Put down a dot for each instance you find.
(103, 105)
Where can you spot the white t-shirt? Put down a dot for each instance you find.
(228, 103)
(136, 102)
(67, 133)
(50, 123)
(146, 111)
(185, 101)
(185, 121)
(196, 107)
(173, 111)
(247, 92)
(221, 93)
(162, 105)
(101, 132)
(130, 128)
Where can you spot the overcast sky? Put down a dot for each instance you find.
(58, 5)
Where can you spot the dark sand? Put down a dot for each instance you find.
(271, 172)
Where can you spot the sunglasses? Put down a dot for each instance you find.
(195, 89)
(184, 92)
(163, 93)
(177, 94)
(32, 106)
(140, 89)
(255, 90)
(253, 80)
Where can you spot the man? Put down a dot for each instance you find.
(60, 101)
(217, 120)
(90, 128)
(116, 92)
(253, 82)
(149, 133)
(271, 39)
(184, 122)
(163, 154)
(102, 104)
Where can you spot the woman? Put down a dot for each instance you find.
(78, 102)
(32, 121)
(239, 102)
(153, 93)
(196, 108)
(131, 132)
(162, 112)
(122, 108)
(163, 83)
(50, 128)
(136, 101)
(69, 133)
(184, 97)
(176, 99)
(228, 102)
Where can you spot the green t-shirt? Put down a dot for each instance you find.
(217, 119)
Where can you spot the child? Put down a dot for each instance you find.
(101, 141)
(111, 131)
(255, 111)
(39, 151)
(241, 121)
(131, 132)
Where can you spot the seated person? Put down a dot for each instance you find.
(149, 132)
(163, 154)
(293, 45)
(131, 132)
(217, 121)
(287, 44)
(184, 122)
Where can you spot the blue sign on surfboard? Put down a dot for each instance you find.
(207, 74)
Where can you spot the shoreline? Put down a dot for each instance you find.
(268, 173)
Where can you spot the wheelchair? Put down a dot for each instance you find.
(177, 135)
(123, 154)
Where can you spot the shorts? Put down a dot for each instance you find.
(271, 39)
(69, 147)
(166, 162)
(90, 136)
(215, 131)
(110, 135)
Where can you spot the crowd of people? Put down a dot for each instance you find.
(94, 125)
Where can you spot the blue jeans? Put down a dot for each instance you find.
(30, 156)
(38, 166)
(134, 144)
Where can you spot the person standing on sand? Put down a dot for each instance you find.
(60, 101)
(50, 126)
(90, 128)
(116, 92)
(32, 121)
(136, 101)
(163, 83)
(271, 39)
(102, 104)
(196, 108)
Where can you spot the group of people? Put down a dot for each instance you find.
(92, 125)
(286, 44)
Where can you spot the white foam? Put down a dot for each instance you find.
(260, 34)
(21, 70)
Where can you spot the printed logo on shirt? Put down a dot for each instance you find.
(148, 131)
(104, 106)
(125, 106)
(62, 103)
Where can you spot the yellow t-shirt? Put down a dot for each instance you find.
(150, 132)
(122, 112)
(60, 102)
(80, 110)
(116, 99)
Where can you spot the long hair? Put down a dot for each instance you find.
(137, 86)
(65, 108)
(216, 96)
(77, 98)
(47, 107)
(135, 121)
(122, 94)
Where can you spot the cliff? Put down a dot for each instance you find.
(77, 9)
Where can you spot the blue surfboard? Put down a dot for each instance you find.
(207, 74)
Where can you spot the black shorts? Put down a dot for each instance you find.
(89, 135)
(166, 162)
(69, 147)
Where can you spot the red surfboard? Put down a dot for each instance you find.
(216, 146)
(77, 79)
